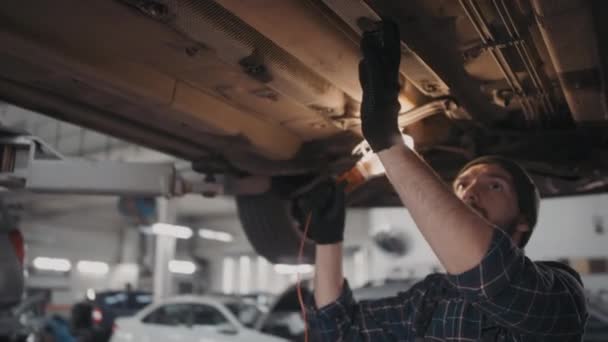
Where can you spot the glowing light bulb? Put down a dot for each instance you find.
(368, 166)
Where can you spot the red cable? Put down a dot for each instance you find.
(298, 283)
(16, 239)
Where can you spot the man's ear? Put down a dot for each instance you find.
(522, 224)
(520, 229)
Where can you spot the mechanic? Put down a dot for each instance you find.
(478, 229)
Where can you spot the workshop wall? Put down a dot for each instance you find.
(235, 268)
(570, 229)
(75, 242)
(71, 243)
(575, 230)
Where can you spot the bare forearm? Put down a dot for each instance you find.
(328, 274)
(458, 236)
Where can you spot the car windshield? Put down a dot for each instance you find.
(124, 302)
(246, 313)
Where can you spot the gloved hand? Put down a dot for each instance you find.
(326, 204)
(379, 78)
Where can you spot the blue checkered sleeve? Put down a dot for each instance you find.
(523, 296)
(377, 320)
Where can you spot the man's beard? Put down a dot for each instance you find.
(479, 210)
(508, 227)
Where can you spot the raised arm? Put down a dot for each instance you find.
(458, 236)
(481, 259)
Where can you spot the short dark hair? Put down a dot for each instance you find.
(528, 197)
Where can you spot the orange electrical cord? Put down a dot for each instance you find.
(298, 283)
(351, 179)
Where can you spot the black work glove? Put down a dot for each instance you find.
(326, 204)
(379, 78)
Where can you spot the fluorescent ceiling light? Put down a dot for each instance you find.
(52, 264)
(179, 232)
(215, 235)
(91, 294)
(182, 267)
(93, 267)
(293, 269)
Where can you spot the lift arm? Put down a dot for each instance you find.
(28, 163)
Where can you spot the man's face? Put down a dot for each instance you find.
(489, 190)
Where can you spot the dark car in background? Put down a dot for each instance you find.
(93, 319)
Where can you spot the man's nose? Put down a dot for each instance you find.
(469, 195)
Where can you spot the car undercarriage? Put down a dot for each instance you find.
(270, 88)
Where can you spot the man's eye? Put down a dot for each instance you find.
(496, 186)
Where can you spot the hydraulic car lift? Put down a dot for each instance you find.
(29, 164)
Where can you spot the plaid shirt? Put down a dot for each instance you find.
(506, 297)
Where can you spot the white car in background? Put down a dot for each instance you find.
(187, 318)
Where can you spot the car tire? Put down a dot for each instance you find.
(272, 230)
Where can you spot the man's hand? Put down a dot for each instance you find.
(379, 77)
(325, 204)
